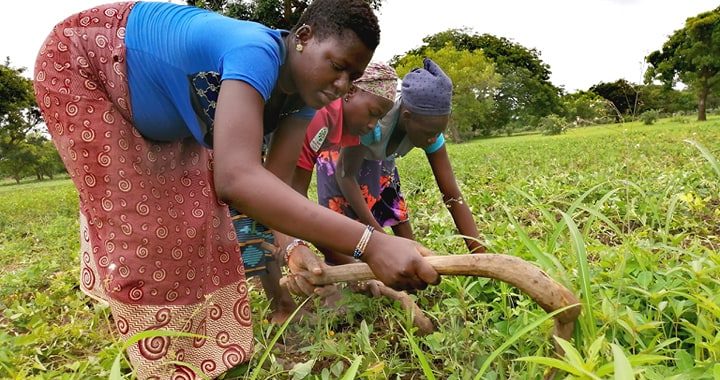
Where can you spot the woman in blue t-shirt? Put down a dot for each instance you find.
(158, 111)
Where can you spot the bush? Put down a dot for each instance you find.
(586, 108)
(679, 117)
(649, 117)
(553, 125)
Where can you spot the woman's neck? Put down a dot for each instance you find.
(399, 131)
(396, 137)
(285, 82)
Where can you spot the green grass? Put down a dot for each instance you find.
(624, 215)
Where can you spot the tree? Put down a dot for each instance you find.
(474, 84)
(15, 90)
(586, 108)
(24, 150)
(280, 14)
(16, 96)
(17, 163)
(622, 94)
(525, 93)
(692, 56)
(46, 160)
(668, 100)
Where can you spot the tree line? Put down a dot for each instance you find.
(501, 87)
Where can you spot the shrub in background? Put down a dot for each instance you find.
(649, 117)
(553, 125)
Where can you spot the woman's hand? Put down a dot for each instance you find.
(303, 260)
(399, 263)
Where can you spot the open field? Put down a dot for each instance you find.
(625, 215)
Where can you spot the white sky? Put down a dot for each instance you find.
(583, 41)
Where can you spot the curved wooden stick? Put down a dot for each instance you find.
(420, 320)
(548, 293)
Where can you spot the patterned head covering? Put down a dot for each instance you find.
(427, 90)
(379, 79)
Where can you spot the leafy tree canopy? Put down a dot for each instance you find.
(474, 84)
(23, 150)
(690, 55)
(623, 95)
(15, 90)
(525, 93)
(279, 14)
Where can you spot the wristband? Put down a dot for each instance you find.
(360, 247)
(291, 246)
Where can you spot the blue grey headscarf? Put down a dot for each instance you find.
(427, 90)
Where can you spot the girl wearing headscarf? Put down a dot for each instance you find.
(417, 120)
(362, 182)
(342, 122)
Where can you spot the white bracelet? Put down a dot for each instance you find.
(360, 247)
(294, 244)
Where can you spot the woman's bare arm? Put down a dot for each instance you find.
(453, 198)
(347, 170)
(241, 180)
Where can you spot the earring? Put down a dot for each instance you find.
(347, 99)
(299, 47)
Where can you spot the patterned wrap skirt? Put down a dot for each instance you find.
(380, 185)
(156, 243)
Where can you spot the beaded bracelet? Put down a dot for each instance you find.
(294, 244)
(360, 247)
(449, 202)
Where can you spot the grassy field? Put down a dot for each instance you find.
(625, 215)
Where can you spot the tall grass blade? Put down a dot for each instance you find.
(669, 215)
(634, 360)
(275, 338)
(708, 156)
(424, 364)
(545, 260)
(552, 362)
(581, 254)
(352, 371)
(519, 334)
(599, 215)
(592, 211)
(115, 373)
(533, 201)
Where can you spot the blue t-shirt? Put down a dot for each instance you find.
(177, 57)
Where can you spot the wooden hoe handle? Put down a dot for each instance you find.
(548, 293)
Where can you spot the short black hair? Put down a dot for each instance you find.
(334, 17)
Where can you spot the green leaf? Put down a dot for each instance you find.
(275, 338)
(571, 353)
(424, 364)
(635, 361)
(115, 373)
(352, 371)
(302, 370)
(550, 362)
(684, 360)
(708, 156)
(581, 255)
(623, 369)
